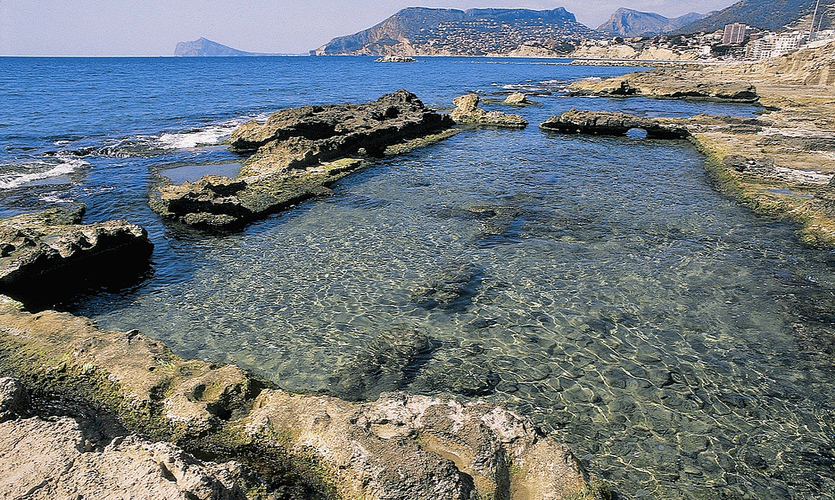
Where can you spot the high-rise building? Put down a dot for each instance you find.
(734, 34)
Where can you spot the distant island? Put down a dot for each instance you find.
(207, 48)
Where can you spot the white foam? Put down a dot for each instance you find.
(209, 136)
(39, 170)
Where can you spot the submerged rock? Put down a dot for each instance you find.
(388, 363)
(467, 112)
(50, 255)
(296, 154)
(576, 121)
(453, 288)
(398, 447)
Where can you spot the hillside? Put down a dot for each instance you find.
(629, 23)
(772, 15)
(425, 31)
(204, 47)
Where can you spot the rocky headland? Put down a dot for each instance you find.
(779, 163)
(297, 154)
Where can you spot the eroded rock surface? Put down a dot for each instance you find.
(296, 154)
(50, 254)
(397, 447)
(467, 112)
(667, 83)
(52, 459)
(575, 121)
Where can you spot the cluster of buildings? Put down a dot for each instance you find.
(490, 36)
(755, 44)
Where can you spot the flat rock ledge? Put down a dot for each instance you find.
(297, 154)
(48, 254)
(667, 83)
(467, 112)
(167, 410)
(576, 121)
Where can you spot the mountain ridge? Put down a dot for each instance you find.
(631, 23)
(773, 15)
(430, 31)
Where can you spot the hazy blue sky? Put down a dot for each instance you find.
(153, 27)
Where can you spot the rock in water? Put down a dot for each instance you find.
(388, 363)
(452, 289)
(576, 121)
(296, 154)
(50, 255)
(467, 112)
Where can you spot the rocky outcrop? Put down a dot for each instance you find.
(53, 459)
(296, 154)
(575, 121)
(665, 83)
(49, 255)
(397, 447)
(467, 112)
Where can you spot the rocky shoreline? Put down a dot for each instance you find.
(780, 163)
(103, 411)
(121, 397)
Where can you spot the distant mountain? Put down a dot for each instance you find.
(203, 47)
(772, 15)
(629, 23)
(425, 31)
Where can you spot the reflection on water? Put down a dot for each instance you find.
(676, 342)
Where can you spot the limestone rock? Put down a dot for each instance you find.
(611, 123)
(52, 459)
(467, 112)
(51, 253)
(296, 154)
(516, 99)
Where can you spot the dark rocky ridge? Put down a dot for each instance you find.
(772, 15)
(611, 123)
(48, 256)
(296, 154)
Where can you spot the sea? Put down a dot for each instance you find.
(679, 344)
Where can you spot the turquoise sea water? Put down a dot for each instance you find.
(680, 345)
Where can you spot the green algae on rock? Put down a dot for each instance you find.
(297, 154)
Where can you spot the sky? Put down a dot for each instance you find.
(153, 27)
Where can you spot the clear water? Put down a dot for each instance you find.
(680, 345)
